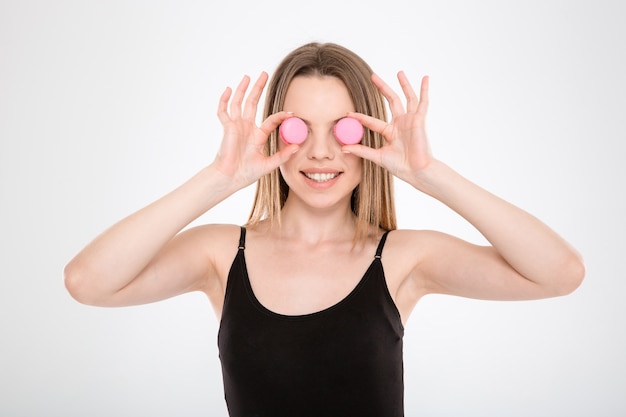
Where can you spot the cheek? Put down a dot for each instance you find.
(286, 171)
(355, 164)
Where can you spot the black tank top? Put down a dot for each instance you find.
(345, 360)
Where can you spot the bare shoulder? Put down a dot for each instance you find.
(411, 244)
(218, 241)
(410, 250)
(403, 251)
(214, 235)
(218, 244)
(403, 256)
(417, 245)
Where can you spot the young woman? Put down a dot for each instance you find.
(314, 291)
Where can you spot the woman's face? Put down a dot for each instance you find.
(320, 173)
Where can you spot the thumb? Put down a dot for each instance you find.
(363, 151)
(283, 155)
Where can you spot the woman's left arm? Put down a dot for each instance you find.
(527, 259)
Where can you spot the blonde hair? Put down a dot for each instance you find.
(372, 200)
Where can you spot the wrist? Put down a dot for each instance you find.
(216, 184)
(434, 179)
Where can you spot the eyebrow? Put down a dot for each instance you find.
(306, 122)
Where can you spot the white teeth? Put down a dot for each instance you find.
(320, 177)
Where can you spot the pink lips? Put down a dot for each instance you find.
(321, 178)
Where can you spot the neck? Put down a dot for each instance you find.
(317, 224)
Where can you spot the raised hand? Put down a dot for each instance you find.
(241, 155)
(406, 150)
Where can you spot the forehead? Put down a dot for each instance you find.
(315, 94)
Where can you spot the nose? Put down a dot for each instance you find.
(321, 144)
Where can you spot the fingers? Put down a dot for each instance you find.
(237, 103)
(222, 108)
(413, 102)
(283, 155)
(423, 102)
(252, 102)
(395, 104)
(372, 123)
(273, 121)
(240, 92)
(364, 152)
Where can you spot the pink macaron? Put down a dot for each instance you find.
(348, 131)
(293, 130)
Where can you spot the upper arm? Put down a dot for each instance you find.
(189, 262)
(450, 265)
(444, 264)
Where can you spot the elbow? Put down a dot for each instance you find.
(72, 280)
(570, 276)
(75, 279)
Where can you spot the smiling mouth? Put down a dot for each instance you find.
(321, 177)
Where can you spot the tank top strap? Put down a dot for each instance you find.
(381, 244)
(242, 238)
(379, 249)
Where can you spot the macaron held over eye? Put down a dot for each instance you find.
(347, 131)
(293, 131)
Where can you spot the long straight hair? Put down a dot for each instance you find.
(372, 200)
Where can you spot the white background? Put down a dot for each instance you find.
(107, 105)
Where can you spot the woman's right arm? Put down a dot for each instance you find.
(132, 262)
(144, 257)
